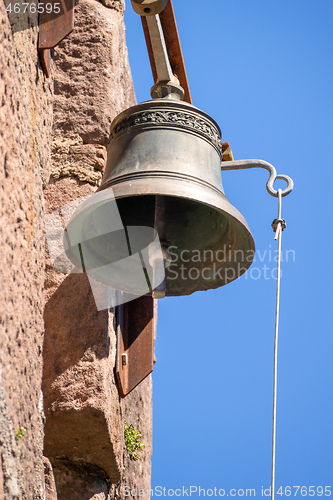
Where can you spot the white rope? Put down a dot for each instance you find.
(280, 225)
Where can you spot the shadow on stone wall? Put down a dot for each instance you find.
(80, 395)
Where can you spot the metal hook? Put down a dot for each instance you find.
(243, 164)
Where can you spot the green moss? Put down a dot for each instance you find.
(133, 441)
(20, 433)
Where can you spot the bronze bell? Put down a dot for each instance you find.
(163, 176)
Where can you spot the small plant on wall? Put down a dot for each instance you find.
(20, 433)
(133, 441)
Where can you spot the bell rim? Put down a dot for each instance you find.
(226, 208)
(121, 188)
(124, 189)
(171, 188)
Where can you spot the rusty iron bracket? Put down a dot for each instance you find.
(54, 26)
(135, 342)
(227, 152)
(171, 36)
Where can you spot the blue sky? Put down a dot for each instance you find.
(263, 71)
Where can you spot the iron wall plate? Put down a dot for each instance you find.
(135, 343)
(54, 26)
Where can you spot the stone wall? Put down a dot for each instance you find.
(84, 415)
(25, 128)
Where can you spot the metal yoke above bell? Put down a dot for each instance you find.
(164, 172)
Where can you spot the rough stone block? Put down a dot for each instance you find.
(72, 158)
(50, 487)
(80, 395)
(92, 80)
(25, 128)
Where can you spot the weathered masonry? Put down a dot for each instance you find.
(62, 417)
